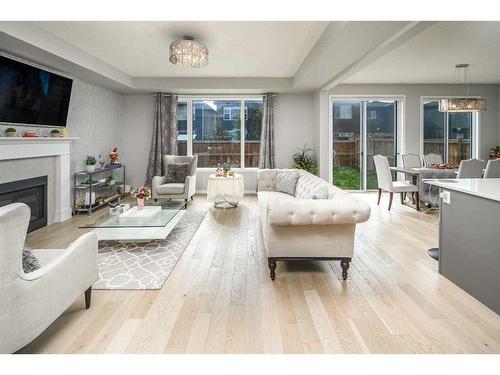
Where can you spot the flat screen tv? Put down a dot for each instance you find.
(32, 96)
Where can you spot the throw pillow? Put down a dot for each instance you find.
(30, 262)
(317, 193)
(286, 182)
(177, 173)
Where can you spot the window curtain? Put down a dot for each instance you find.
(164, 140)
(266, 156)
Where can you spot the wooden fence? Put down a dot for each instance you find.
(210, 152)
(347, 152)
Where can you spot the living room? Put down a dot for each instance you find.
(227, 186)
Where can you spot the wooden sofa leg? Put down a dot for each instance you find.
(88, 296)
(344, 263)
(271, 262)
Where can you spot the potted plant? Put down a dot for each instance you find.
(90, 163)
(10, 132)
(305, 159)
(226, 167)
(495, 152)
(55, 133)
(141, 193)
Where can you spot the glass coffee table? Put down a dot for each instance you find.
(154, 222)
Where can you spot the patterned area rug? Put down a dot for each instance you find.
(145, 265)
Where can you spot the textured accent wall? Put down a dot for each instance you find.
(95, 116)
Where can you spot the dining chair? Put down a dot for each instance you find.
(471, 168)
(431, 158)
(492, 169)
(411, 160)
(385, 182)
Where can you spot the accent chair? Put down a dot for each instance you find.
(30, 302)
(180, 190)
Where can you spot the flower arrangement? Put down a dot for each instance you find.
(141, 193)
(55, 133)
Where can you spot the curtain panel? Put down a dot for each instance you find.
(164, 139)
(267, 149)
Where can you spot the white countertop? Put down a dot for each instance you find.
(488, 188)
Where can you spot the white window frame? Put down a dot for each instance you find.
(475, 131)
(188, 99)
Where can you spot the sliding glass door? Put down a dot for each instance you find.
(347, 153)
(360, 130)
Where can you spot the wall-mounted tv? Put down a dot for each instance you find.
(32, 96)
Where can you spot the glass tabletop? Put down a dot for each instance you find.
(153, 215)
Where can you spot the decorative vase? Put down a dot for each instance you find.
(55, 135)
(225, 173)
(11, 134)
(140, 204)
(91, 168)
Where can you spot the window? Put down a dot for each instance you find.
(182, 129)
(227, 113)
(344, 112)
(448, 134)
(220, 132)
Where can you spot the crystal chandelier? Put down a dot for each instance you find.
(187, 52)
(463, 103)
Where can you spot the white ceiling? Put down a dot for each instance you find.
(236, 49)
(430, 57)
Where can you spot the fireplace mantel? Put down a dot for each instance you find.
(12, 148)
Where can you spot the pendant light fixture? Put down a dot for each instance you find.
(188, 52)
(465, 103)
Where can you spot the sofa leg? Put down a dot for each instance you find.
(271, 262)
(88, 296)
(379, 195)
(344, 263)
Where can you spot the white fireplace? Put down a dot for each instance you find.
(17, 150)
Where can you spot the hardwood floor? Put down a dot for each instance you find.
(220, 299)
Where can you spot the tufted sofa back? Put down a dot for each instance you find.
(307, 182)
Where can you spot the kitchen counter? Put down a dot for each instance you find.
(488, 188)
(469, 236)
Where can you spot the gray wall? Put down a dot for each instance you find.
(138, 117)
(94, 116)
(293, 119)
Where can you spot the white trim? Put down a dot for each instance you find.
(189, 128)
(242, 133)
(183, 98)
(25, 148)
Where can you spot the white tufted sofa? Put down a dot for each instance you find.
(297, 228)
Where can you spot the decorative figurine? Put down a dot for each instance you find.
(219, 171)
(114, 159)
(101, 161)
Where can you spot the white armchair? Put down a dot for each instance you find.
(186, 190)
(30, 302)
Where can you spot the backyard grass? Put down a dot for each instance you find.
(348, 178)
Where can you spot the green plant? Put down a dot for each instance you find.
(10, 130)
(90, 160)
(305, 159)
(54, 131)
